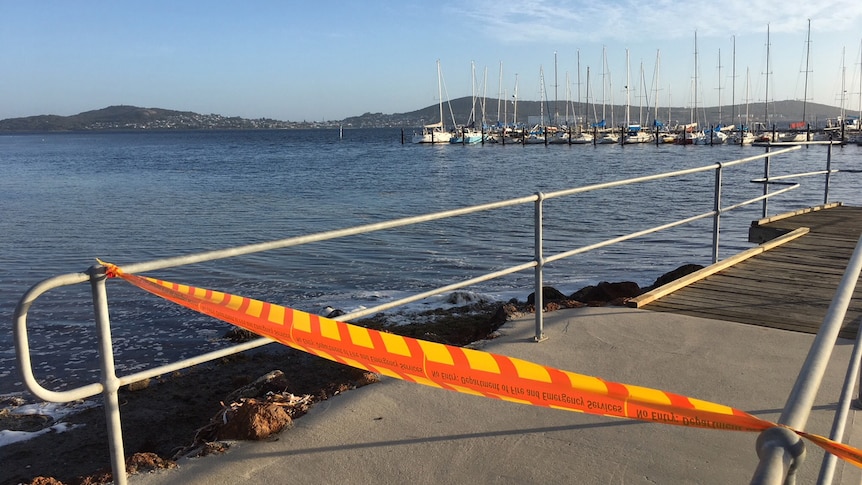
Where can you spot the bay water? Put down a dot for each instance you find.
(69, 198)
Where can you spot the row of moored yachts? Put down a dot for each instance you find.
(634, 134)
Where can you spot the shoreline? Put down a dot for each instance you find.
(180, 415)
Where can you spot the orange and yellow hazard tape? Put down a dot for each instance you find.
(460, 369)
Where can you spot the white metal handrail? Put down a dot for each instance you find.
(110, 383)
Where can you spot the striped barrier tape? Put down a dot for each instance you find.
(460, 369)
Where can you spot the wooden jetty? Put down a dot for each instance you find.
(787, 282)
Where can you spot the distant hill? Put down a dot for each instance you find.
(782, 113)
(135, 118)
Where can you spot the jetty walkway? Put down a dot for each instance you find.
(788, 286)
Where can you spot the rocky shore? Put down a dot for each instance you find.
(253, 395)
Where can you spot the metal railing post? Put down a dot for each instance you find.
(839, 423)
(765, 184)
(716, 218)
(110, 382)
(538, 300)
(801, 398)
(828, 173)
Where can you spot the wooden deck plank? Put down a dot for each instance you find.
(789, 287)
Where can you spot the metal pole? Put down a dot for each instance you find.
(839, 423)
(765, 183)
(828, 173)
(110, 382)
(538, 300)
(716, 218)
(801, 398)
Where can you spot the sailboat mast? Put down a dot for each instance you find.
(807, 56)
(719, 86)
(505, 112)
(695, 75)
(515, 115)
(556, 94)
(747, 99)
(642, 96)
(733, 83)
(588, 97)
(611, 90)
(484, 95)
(440, 93)
(843, 90)
(656, 83)
(577, 106)
(568, 98)
(628, 83)
(604, 70)
(500, 92)
(766, 101)
(542, 99)
(472, 118)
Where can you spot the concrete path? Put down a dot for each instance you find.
(397, 432)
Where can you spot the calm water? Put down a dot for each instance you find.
(69, 198)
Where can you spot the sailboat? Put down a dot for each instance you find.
(690, 134)
(468, 134)
(717, 135)
(537, 135)
(635, 132)
(581, 137)
(564, 129)
(607, 137)
(435, 132)
(744, 136)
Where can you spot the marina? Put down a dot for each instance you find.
(582, 124)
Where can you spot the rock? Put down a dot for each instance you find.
(674, 275)
(45, 481)
(367, 378)
(255, 420)
(143, 462)
(606, 292)
(549, 293)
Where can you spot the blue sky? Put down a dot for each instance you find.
(302, 60)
